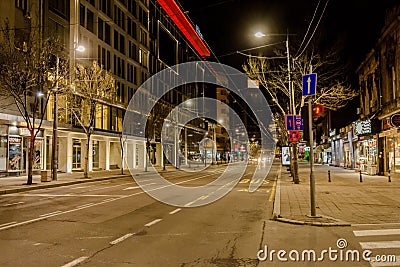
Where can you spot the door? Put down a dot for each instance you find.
(76, 154)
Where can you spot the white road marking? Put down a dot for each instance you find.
(122, 238)
(4, 224)
(58, 195)
(81, 208)
(51, 213)
(153, 222)
(84, 205)
(13, 204)
(136, 187)
(380, 244)
(377, 232)
(175, 211)
(373, 224)
(37, 244)
(75, 262)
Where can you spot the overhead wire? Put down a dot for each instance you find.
(315, 29)
(309, 26)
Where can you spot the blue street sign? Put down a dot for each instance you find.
(298, 123)
(289, 122)
(309, 84)
(294, 123)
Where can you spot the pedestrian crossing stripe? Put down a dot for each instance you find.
(377, 232)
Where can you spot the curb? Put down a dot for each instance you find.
(84, 180)
(299, 222)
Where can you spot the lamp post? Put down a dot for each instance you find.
(292, 106)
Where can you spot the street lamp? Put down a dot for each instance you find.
(292, 107)
(54, 161)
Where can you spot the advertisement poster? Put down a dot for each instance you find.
(285, 155)
(15, 153)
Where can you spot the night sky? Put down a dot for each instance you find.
(351, 27)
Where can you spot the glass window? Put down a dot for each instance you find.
(90, 20)
(99, 116)
(106, 117)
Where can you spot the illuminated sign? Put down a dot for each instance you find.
(395, 120)
(363, 127)
(182, 22)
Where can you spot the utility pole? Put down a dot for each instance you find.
(54, 165)
(292, 110)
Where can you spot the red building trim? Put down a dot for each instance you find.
(182, 22)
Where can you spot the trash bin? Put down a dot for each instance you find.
(45, 176)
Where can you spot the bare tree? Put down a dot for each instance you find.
(332, 90)
(92, 86)
(27, 77)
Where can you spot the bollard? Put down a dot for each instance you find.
(389, 177)
(329, 175)
(360, 176)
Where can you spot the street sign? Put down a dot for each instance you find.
(289, 122)
(294, 136)
(309, 84)
(294, 122)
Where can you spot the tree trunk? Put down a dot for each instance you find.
(30, 158)
(86, 168)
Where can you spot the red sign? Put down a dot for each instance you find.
(395, 120)
(294, 136)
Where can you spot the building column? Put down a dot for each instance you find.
(69, 153)
(90, 156)
(107, 153)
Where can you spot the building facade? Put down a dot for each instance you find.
(131, 39)
(379, 82)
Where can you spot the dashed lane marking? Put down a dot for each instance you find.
(153, 222)
(175, 211)
(122, 238)
(75, 262)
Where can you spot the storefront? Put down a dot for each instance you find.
(366, 151)
(14, 150)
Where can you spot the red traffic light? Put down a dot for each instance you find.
(317, 110)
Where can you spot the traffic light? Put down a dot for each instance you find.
(318, 110)
(304, 116)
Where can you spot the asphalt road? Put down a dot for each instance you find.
(115, 223)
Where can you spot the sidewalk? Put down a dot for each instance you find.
(343, 201)
(15, 184)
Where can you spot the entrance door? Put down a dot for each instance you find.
(76, 154)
